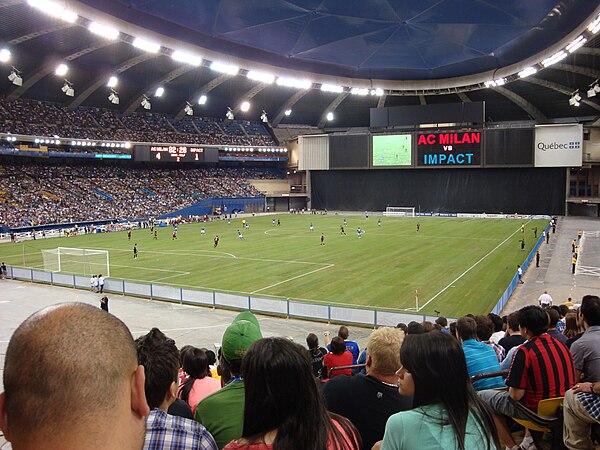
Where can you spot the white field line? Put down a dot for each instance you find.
(470, 268)
(291, 279)
(217, 256)
(170, 276)
(149, 268)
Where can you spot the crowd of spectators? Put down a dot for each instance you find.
(417, 391)
(43, 119)
(33, 195)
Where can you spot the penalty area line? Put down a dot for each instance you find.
(470, 268)
(293, 278)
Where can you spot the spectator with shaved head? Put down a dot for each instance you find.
(72, 381)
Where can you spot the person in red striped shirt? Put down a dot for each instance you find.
(541, 368)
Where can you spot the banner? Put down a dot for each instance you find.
(558, 145)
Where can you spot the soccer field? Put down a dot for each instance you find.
(457, 266)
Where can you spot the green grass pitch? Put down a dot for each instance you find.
(458, 266)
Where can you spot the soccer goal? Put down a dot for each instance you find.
(81, 261)
(400, 211)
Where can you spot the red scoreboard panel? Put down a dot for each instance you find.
(450, 149)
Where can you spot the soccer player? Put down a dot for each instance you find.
(345, 221)
(134, 251)
(520, 274)
(522, 241)
(278, 222)
(240, 235)
(359, 232)
(229, 221)
(342, 231)
(312, 227)
(247, 225)
(418, 226)
(202, 231)
(366, 214)
(379, 222)
(174, 234)
(535, 230)
(273, 221)
(322, 239)
(522, 228)
(155, 234)
(129, 235)
(216, 241)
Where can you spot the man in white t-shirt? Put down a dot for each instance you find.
(545, 300)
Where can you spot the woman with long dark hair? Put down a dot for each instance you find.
(447, 413)
(199, 383)
(284, 408)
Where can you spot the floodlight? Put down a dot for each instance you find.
(263, 117)
(112, 82)
(61, 70)
(146, 103)
(594, 26)
(150, 47)
(263, 77)
(245, 106)
(575, 98)
(229, 114)
(378, 92)
(186, 57)
(332, 88)
(554, 58)
(288, 112)
(224, 68)
(329, 116)
(68, 89)
(159, 91)
(576, 44)
(53, 9)
(188, 109)
(103, 30)
(5, 55)
(202, 100)
(527, 71)
(15, 77)
(594, 89)
(293, 82)
(359, 91)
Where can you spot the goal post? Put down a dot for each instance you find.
(81, 261)
(399, 211)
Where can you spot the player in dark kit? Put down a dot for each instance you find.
(129, 235)
(134, 251)
(216, 242)
(155, 234)
(342, 231)
(322, 239)
(174, 234)
(418, 226)
(522, 241)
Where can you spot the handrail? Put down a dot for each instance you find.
(351, 366)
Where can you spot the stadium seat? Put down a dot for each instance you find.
(549, 419)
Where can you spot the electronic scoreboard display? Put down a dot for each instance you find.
(392, 150)
(451, 149)
(169, 153)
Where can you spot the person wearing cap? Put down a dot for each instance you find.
(222, 413)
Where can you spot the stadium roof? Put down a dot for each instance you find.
(416, 52)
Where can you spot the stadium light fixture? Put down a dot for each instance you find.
(330, 116)
(245, 106)
(558, 56)
(332, 88)
(229, 114)
(229, 69)
(594, 25)
(54, 9)
(68, 89)
(5, 55)
(202, 99)
(143, 44)
(575, 98)
(15, 77)
(594, 89)
(61, 70)
(288, 112)
(263, 77)
(112, 82)
(527, 72)
(188, 109)
(263, 117)
(104, 31)
(377, 92)
(146, 103)
(186, 58)
(576, 44)
(294, 82)
(359, 91)
(494, 83)
(114, 97)
(159, 91)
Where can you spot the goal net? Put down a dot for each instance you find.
(400, 211)
(80, 261)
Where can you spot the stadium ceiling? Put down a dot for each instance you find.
(397, 52)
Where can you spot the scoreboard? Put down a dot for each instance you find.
(454, 149)
(169, 153)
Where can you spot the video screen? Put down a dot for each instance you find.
(392, 150)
